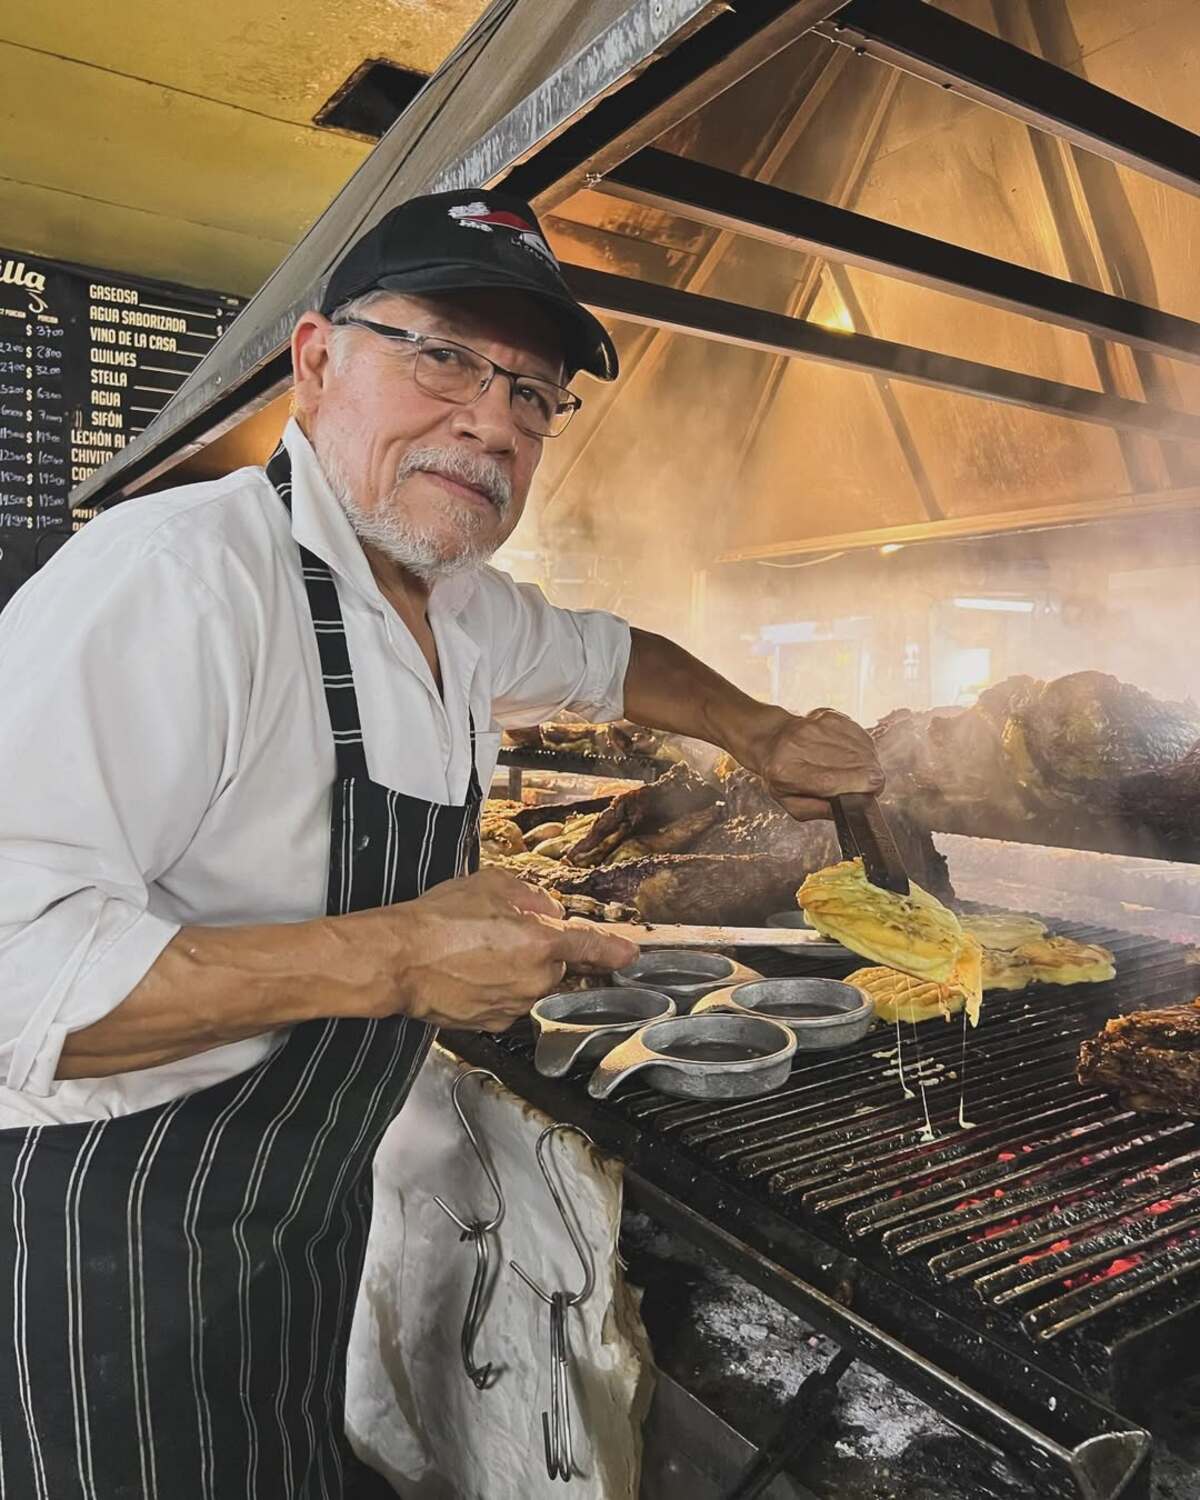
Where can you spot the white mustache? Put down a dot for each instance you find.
(480, 473)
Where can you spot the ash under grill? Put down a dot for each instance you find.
(1061, 1228)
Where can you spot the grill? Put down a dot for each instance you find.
(1031, 1277)
(582, 763)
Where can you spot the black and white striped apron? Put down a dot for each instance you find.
(177, 1285)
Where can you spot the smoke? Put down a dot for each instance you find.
(640, 527)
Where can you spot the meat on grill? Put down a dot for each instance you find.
(811, 845)
(650, 807)
(739, 889)
(1081, 733)
(1168, 799)
(1084, 761)
(675, 837)
(947, 767)
(1151, 1058)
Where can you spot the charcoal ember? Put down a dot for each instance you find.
(1081, 734)
(1168, 799)
(649, 807)
(1151, 1058)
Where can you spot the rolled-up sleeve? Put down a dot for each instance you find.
(120, 679)
(548, 660)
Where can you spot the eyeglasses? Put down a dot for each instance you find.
(452, 372)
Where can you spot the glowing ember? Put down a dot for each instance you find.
(1054, 1249)
(1007, 1156)
(1116, 1267)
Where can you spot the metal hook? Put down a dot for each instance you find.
(569, 1224)
(477, 1231)
(556, 1423)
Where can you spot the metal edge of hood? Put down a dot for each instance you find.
(246, 369)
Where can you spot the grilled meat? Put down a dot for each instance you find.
(756, 821)
(1151, 1058)
(745, 794)
(948, 767)
(811, 845)
(996, 703)
(634, 739)
(499, 836)
(740, 889)
(674, 838)
(577, 739)
(523, 739)
(1080, 734)
(1168, 799)
(530, 818)
(595, 911)
(649, 807)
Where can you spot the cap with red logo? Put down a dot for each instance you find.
(470, 241)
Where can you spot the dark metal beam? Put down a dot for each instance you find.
(774, 333)
(740, 40)
(723, 200)
(926, 41)
(825, 68)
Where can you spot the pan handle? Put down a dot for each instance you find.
(557, 1050)
(721, 999)
(621, 1063)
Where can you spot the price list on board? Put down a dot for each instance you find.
(87, 361)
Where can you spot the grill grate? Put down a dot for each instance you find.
(1060, 1222)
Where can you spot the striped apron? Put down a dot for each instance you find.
(177, 1285)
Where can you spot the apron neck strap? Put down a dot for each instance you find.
(337, 678)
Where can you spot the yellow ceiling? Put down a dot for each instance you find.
(167, 139)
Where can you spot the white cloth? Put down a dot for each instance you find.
(166, 746)
(411, 1412)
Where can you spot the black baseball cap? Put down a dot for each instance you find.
(464, 241)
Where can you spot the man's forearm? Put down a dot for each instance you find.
(668, 688)
(213, 985)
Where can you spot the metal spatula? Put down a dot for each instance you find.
(862, 831)
(676, 935)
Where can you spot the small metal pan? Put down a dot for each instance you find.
(683, 974)
(715, 1056)
(795, 921)
(822, 1013)
(576, 1026)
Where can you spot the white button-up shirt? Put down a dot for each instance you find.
(165, 749)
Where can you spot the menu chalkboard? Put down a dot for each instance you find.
(87, 360)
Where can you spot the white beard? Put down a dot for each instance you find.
(426, 551)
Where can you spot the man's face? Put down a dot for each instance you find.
(437, 486)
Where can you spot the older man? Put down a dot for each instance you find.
(246, 727)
